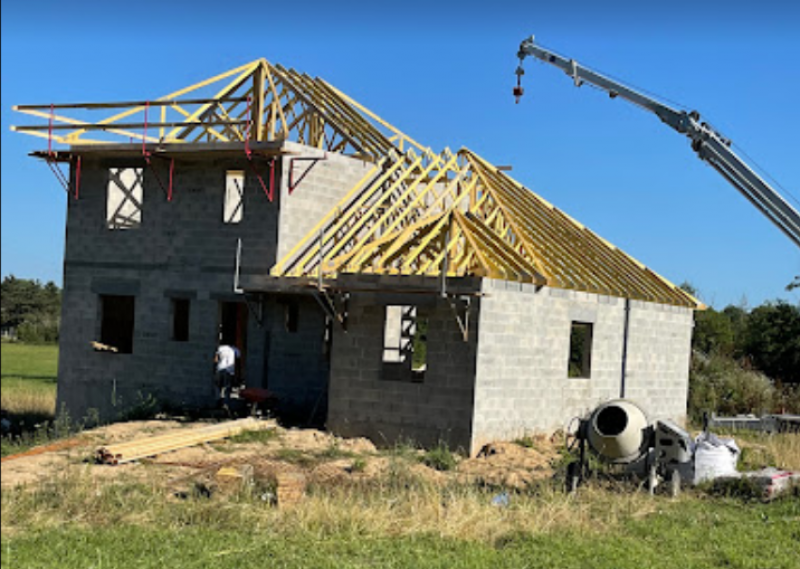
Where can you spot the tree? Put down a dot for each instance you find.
(772, 340)
(31, 308)
(713, 333)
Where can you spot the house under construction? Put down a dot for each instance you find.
(371, 283)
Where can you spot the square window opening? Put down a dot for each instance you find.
(180, 319)
(117, 323)
(405, 344)
(580, 350)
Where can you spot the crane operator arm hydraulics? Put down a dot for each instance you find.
(709, 144)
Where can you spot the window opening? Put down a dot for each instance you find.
(580, 350)
(180, 319)
(124, 198)
(116, 323)
(233, 209)
(291, 315)
(405, 343)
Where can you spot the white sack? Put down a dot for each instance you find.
(714, 457)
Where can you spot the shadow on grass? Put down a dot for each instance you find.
(47, 378)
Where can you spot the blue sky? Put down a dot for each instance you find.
(443, 73)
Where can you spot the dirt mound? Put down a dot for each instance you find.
(314, 440)
(510, 464)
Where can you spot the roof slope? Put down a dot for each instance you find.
(258, 101)
(415, 213)
(424, 214)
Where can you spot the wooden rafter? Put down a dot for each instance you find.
(257, 101)
(414, 213)
(417, 210)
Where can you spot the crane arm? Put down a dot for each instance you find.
(709, 144)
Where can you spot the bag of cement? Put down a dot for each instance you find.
(774, 482)
(714, 457)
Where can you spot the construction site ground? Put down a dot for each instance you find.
(277, 497)
(318, 456)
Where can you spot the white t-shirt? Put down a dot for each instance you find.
(226, 358)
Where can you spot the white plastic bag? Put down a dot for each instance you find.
(714, 457)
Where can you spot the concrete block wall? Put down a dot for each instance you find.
(363, 402)
(659, 352)
(303, 396)
(319, 187)
(522, 382)
(182, 249)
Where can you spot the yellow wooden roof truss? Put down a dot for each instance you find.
(422, 214)
(255, 102)
(414, 213)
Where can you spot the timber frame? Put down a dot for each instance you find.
(255, 102)
(416, 213)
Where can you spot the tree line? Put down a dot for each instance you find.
(30, 310)
(766, 338)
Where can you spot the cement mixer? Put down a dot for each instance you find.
(618, 432)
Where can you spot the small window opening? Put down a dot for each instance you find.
(291, 316)
(233, 208)
(124, 198)
(116, 323)
(580, 350)
(327, 338)
(405, 344)
(180, 319)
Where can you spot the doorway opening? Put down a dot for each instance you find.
(233, 330)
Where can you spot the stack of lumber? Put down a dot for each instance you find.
(151, 446)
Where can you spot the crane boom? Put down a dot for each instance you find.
(709, 144)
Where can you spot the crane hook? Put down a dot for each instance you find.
(518, 90)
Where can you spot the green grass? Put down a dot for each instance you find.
(686, 534)
(29, 361)
(28, 392)
(29, 378)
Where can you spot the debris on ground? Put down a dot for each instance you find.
(511, 465)
(774, 482)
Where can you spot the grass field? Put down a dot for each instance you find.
(29, 379)
(74, 522)
(132, 518)
(28, 393)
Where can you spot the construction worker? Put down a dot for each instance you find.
(226, 377)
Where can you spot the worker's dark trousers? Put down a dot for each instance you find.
(225, 385)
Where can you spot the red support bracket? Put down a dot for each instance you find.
(148, 155)
(269, 191)
(78, 177)
(52, 163)
(60, 176)
(294, 183)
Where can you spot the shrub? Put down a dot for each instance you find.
(439, 458)
(718, 383)
(358, 465)
(525, 441)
